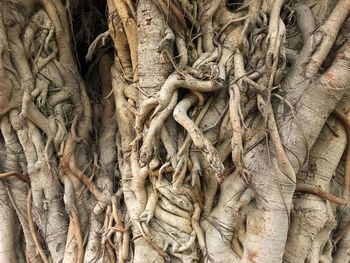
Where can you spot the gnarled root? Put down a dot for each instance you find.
(199, 140)
(155, 126)
(175, 81)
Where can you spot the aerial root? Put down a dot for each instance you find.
(20, 176)
(180, 172)
(275, 33)
(198, 138)
(237, 144)
(167, 213)
(147, 235)
(77, 234)
(166, 190)
(322, 40)
(169, 145)
(155, 126)
(196, 170)
(342, 233)
(167, 40)
(68, 161)
(199, 233)
(152, 199)
(32, 228)
(100, 40)
(343, 119)
(303, 188)
(166, 205)
(113, 215)
(212, 79)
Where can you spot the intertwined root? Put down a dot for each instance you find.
(206, 79)
(206, 75)
(199, 140)
(178, 151)
(171, 208)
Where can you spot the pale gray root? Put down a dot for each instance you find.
(16, 189)
(208, 78)
(14, 197)
(343, 245)
(161, 202)
(226, 218)
(199, 140)
(125, 120)
(46, 191)
(323, 39)
(310, 213)
(107, 160)
(149, 149)
(320, 243)
(8, 236)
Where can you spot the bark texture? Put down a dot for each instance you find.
(175, 131)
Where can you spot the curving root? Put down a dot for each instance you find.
(216, 77)
(275, 33)
(303, 188)
(68, 163)
(199, 140)
(322, 40)
(95, 44)
(199, 233)
(154, 128)
(207, 10)
(19, 175)
(22, 66)
(152, 199)
(166, 190)
(169, 145)
(343, 119)
(168, 38)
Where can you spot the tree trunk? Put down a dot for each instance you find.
(175, 131)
